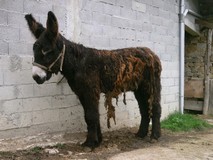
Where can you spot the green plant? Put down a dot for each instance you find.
(60, 146)
(184, 122)
(36, 149)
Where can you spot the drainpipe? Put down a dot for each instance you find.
(182, 54)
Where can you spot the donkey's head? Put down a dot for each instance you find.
(48, 49)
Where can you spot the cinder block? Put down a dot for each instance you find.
(163, 13)
(174, 90)
(7, 92)
(48, 89)
(25, 91)
(26, 63)
(26, 36)
(4, 62)
(156, 20)
(167, 81)
(120, 22)
(85, 16)
(101, 19)
(18, 77)
(113, 32)
(117, 43)
(111, 10)
(71, 113)
(143, 36)
(4, 4)
(155, 38)
(65, 101)
(94, 30)
(9, 121)
(159, 3)
(84, 39)
(15, 5)
(159, 48)
(92, 6)
(16, 20)
(87, 29)
(169, 7)
(128, 13)
(171, 49)
(8, 33)
(3, 17)
(36, 104)
(168, 40)
(26, 119)
(20, 48)
(171, 98)
(134, 43)
(137, 6)
(124, 3)
(4, 49)
(97, 7)
(12, 106)
(128, 34)
(147, 27)
(74, 126)
(112, 2)
(15, 63)
(61, 13)
(1, 78)
(45, 116)
(153, 10)
(37, 7)
(100, 42)
(143, 17)
(148, 44)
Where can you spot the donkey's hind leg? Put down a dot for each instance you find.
(142, 98)
(156, 110)
(156, 114)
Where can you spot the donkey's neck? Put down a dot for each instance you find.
(74, 53)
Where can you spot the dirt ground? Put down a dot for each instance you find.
(116, 145)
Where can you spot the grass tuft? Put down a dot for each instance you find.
(36, 149)
(60, 146)
(177, 122)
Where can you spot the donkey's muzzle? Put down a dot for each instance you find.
(38, 79)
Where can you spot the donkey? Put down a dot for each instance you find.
(90, 72)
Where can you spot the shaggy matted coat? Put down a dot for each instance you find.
(90, 71)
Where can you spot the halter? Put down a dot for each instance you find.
(49, 69)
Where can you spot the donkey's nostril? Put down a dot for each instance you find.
(38, 79)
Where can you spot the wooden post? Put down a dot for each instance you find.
(207, 72)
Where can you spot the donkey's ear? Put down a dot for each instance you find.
(35, 27)
(52, 25)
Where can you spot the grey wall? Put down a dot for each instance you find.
(27, 108)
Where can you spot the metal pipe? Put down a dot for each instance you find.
(186, 11)
(182, 54)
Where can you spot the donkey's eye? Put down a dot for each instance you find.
(46, 52)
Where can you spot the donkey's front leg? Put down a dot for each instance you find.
(91, 113)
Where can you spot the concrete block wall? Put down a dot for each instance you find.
(27, 108)
(129, 23)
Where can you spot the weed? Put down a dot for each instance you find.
(36, 149)
(60, 146)
(177, 122)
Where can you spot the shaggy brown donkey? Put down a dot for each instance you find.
(90, 71)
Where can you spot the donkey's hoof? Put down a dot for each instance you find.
(91, 144)
(153, 140)
(139, 135)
